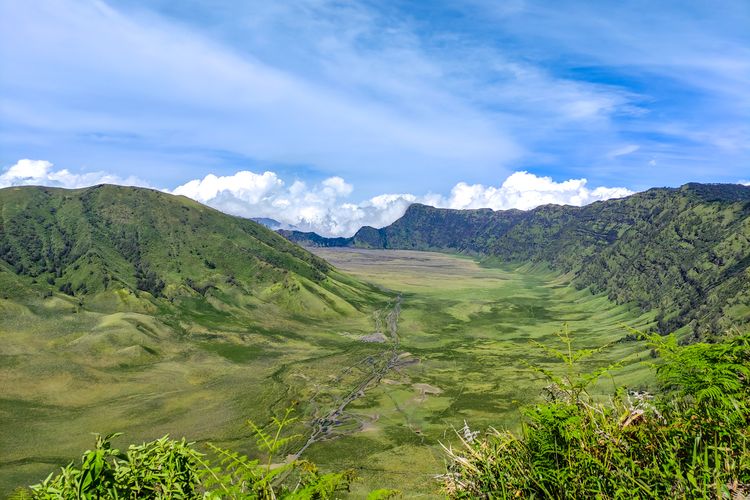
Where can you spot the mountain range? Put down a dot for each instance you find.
(129, 309)
(683, 253)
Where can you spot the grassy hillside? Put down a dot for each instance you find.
(132, 310)
(125, 309)
(684, 253)
(688, 440)
(468, 331)
(99, 240)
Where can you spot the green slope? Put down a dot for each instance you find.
(684, 253)
(125, 309)
(170, 252)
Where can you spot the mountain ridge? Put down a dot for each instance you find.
(132, 310)
(157, 246)
(682, 252)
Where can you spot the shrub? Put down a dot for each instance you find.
(690, 441)
(172, 469)
(163, 468)
(237, 476)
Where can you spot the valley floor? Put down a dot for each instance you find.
(380, 407)
(467, 330)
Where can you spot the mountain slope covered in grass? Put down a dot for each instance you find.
(127, 309)
(683, 252)
(103, 243)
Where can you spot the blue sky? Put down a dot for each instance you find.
(391, 97)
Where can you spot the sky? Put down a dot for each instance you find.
(329, 115)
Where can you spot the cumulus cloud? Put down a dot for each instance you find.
(325, 207)
(524, 191)
(319, 207)
(42, 173)
(744, 183)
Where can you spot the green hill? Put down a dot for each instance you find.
(128, 309)
(99, 241)
(683, 252)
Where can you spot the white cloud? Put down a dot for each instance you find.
(318, 207)
(343, 87)
(744, 183)
(41, 173)
(324, 207)
(624, 150)
(89, 68)
(244, 185)
(337, 186)
(524, 191)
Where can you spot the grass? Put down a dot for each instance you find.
(470, 327)
(66, 375)
(466, 329)
(687, 440)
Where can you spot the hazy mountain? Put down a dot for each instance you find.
(272, 224)
(683, 252)
(311, 239)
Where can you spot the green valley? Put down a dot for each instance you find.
(681, 253)
(131, 310)
(200, 364)
(467, 330)
(136, 311)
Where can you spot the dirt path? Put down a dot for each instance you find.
(325, 427)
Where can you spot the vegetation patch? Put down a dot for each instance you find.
(688, 440)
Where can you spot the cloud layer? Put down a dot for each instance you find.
(325, 207)
(41, 173)
(389, 95)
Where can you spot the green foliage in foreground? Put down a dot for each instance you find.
(167, 468)
(690, 441)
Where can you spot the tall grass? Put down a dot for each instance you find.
(689, 441)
